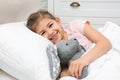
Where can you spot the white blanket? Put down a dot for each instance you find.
(106, 67)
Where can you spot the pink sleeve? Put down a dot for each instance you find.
(77, 25)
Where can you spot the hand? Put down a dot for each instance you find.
(64, 72)
(76, 67)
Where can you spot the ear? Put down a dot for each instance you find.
(58, 20)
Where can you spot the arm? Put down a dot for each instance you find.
(102, 44)
(101, 47)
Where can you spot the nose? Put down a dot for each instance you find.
(49, 32)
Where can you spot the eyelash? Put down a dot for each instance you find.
(42, 33)
(50, 25)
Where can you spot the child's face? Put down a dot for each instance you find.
(51, 29)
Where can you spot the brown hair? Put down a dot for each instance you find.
(35, 17)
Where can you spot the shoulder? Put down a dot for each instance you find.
(77, 21)
(77, 25)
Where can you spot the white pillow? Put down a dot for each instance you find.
(23, 52)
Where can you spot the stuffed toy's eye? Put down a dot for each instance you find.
(66, 44)
(75, 39)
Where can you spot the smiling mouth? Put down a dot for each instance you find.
(54, 37)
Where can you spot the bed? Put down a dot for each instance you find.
(106, 67)
(22, 57)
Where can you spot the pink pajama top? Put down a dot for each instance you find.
(75, 30)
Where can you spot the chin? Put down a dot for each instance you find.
(55, 41)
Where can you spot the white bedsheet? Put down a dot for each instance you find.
(106, 67)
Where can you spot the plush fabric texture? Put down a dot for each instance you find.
(23, 52)
(70, 50)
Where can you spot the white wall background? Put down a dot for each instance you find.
(43, 4)
(19, 10)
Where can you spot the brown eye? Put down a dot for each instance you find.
(50, 25)
(42, 33)
(75, 39)
(66, 44)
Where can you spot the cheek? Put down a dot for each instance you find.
(46, 36)
(57, 26)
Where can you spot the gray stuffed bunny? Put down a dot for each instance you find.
(70, 50)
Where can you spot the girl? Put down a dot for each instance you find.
(50, 27)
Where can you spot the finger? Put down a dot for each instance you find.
(71, 70)
(80, 70)
(76, 71)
